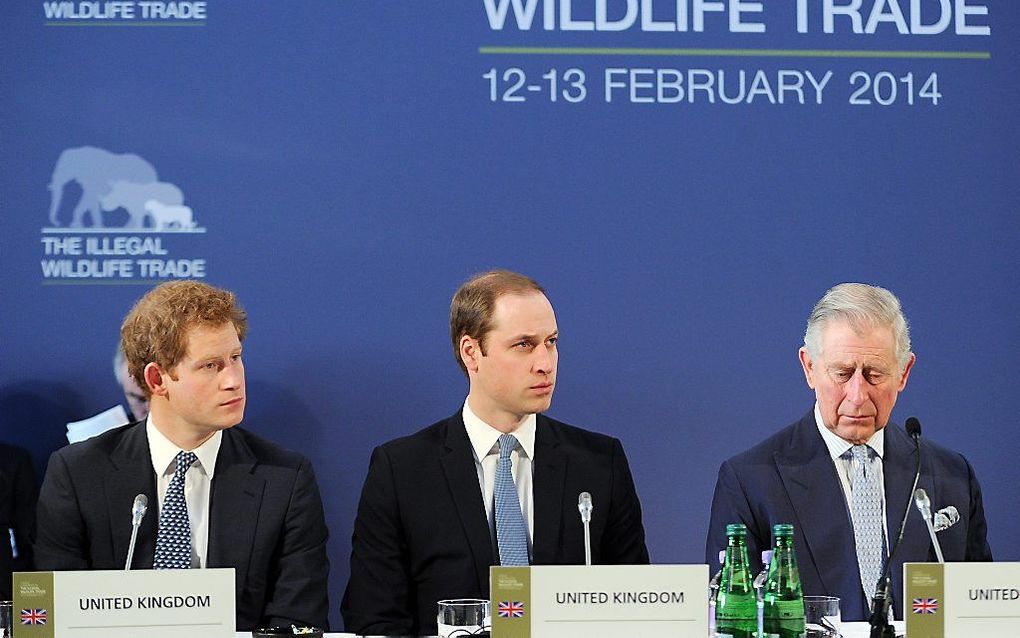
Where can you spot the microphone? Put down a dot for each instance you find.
(138, 509)
(923, 504)
(585, 507)
(879, 620)
(946, 518)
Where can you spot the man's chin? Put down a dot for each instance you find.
(227, 424)
(542, 405)
(857, 433)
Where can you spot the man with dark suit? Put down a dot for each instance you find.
(18, 491)
(218, 496)
(496, 483)
(842, 474)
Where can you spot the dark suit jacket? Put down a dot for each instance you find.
(265, 519)
(421, 534)
(790, 478)
(18, 491)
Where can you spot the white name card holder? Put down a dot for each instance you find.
(166, 603)
(601, 601)
(961, 600)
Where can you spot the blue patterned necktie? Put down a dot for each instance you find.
(173, 540)
(511, 533)
(866, 506)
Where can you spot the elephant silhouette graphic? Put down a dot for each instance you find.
(168, 217)
(108, 181)
(132, 197)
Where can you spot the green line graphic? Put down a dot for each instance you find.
(740, 53)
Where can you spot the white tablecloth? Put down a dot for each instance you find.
(849, 630)
(863, 630)
(247, 634)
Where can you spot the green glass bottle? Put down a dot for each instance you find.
(736, 606)
(783, 614)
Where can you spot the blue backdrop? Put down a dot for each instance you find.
(344, 165)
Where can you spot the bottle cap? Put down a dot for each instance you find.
(736, 529)
(782, 529)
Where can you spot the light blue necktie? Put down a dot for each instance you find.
(866, 506)
(173, 540)
(511, 533)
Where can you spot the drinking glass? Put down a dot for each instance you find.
(821, 616)
(463, 617)
(6, 619)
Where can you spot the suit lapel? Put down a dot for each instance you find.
(810, 479)
(549, 469)
(132, 474)
(235, 500)
(458, 463)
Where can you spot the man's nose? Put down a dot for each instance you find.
(545, 359)
(856, 388)
(232, 376)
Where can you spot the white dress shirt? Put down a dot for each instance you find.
(197, 483)
(485, 445)
(845, 466)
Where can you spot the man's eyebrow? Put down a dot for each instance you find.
(522, 336)
(213, 357)
(533, 335)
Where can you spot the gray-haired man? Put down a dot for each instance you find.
(842, 474)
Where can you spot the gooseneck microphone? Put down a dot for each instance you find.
(585, 507)
(923, 504)
(879, 620)
(138, 509)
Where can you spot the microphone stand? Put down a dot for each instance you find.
(584, 506)
(587, 543)
(879, 619)
(924, 507)
(131, 546)
(137, 513)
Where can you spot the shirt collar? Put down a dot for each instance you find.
(838, 447)
(484, 437)
(164, 452)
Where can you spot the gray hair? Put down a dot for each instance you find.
(862, 307)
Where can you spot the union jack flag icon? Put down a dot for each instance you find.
(33, 616)
(508, 609)
(925, 605)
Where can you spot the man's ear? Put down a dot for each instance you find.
(470, 351)
(808, 366)
(155, 379)
(906, 371)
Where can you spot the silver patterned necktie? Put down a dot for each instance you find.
(866, 506)
(511, 533)
(173, 540)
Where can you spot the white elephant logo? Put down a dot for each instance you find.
(111, 181)
(132, 197)
(166, 217)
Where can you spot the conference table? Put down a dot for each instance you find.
(849, 630)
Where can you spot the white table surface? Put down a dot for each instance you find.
(849, 630)
(863, 630)
(247, 634)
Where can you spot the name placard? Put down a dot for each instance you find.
(962, 600)
(603, 601)
(121, 604)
